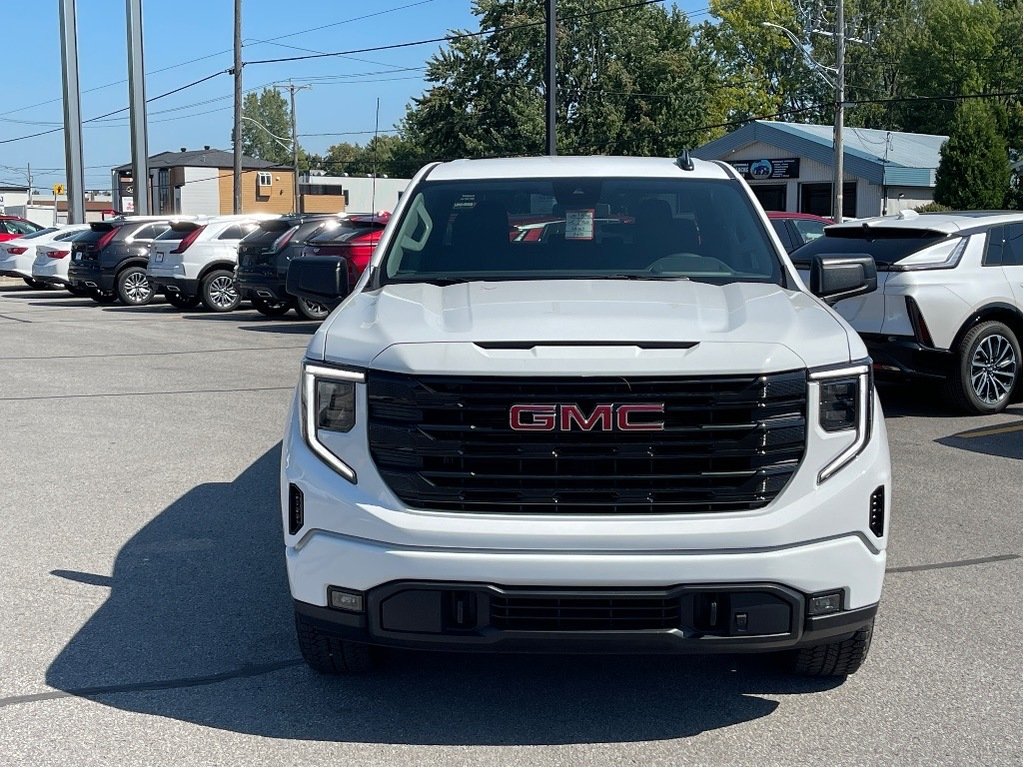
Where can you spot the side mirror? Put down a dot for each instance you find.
(834, 278)
(319, 279)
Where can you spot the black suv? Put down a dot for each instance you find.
(264, 255)
(109, 261)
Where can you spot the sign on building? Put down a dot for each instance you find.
(762, 170)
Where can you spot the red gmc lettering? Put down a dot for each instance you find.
(532, 418)
(602, 416)
(625, 411)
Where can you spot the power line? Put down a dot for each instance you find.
(452, 38)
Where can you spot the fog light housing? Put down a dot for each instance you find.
(345, 600)
(830, 602)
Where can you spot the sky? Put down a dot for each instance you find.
(185, 40)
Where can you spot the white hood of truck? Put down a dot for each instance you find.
(583, 327)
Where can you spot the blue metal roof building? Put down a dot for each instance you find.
(789, 166)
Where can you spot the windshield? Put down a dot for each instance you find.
(566, 228)
(885, 245)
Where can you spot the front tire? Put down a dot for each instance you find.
(837, 659)
(309, 310)
(271, 308)
(987, 371)
(331, 655)
(133, 287)
(218, 291)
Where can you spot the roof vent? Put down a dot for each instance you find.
(684, 161)
(184, 149)
(206, 146)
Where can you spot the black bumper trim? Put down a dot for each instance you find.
(904, 357)
(253, 288)
(803, 631)
(183, 286)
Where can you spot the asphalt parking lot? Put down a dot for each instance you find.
(146, 619)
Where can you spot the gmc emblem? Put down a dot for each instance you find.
(549, 417)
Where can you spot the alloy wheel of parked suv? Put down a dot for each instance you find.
(218, 291)
(310, 310)
(133, 287)
(989, 369)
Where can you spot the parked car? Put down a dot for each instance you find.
(264, 255)
(17, 255)
(50, 266)
(603, 441)
(12, 227)
(110, 260)
(194, 261)
(948, 304)
(797, 229)
(351, 241)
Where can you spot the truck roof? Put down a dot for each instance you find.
(569, 166)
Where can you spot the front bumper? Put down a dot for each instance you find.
(748, 618)
(903, 357)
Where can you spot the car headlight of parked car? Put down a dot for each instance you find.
(845, 397)
(329, 405)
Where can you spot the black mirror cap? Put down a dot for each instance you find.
(320, 279)
(834, 278)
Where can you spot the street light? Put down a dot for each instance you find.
(839, 87)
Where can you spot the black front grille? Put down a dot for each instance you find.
(575, 613)
(729, 443)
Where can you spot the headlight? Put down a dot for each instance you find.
(329, 405)
(845, 397)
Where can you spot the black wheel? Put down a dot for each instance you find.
(102, 298)
(987, 370)
(310, 310)
(218, 291)
(833, 659)
(181, 301)
(74, 291)
(133, 287)
(330, 655)
(39, 285)
(271, 308)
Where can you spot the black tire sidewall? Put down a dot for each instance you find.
(122, 276)
(968, 347)
(302, 309)
(204, 291)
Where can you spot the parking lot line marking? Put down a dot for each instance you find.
(15, 319)
(953, 564)
(153, 685)
(140, 394)
(999, 429)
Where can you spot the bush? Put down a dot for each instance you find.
(933, 208)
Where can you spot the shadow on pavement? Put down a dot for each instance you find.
(294, 327)
(1003, 439)
(198, 627)
(922, 399)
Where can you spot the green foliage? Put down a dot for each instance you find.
(932, 208)
(634, 81)
(385, 155)
(270, 110)
(974, 172)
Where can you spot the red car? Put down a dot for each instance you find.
(15, 226)
(796, 229)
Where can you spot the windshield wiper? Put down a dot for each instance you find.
(646, 276)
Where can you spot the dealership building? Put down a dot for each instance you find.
(789, 167)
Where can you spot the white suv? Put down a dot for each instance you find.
(633, 430)
(194, 261)
(948, 304)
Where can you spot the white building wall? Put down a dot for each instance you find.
(363, 195)
(913, 197)
(201, 192)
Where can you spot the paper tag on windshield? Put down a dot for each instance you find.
(579, 224)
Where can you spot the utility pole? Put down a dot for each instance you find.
(137, 108)
(551, 91)
(837, 131)
(72, 115)
(236, 134)
(29, 174)
(292, 88)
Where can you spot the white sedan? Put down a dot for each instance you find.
(17, 256)
(51, 263)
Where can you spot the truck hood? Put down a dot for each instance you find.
(583, 326)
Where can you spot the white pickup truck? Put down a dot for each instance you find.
(585, 404)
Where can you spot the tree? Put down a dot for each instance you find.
(270, 112)
(974, 172)
(630, 81)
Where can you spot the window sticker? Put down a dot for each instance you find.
(579, 224)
